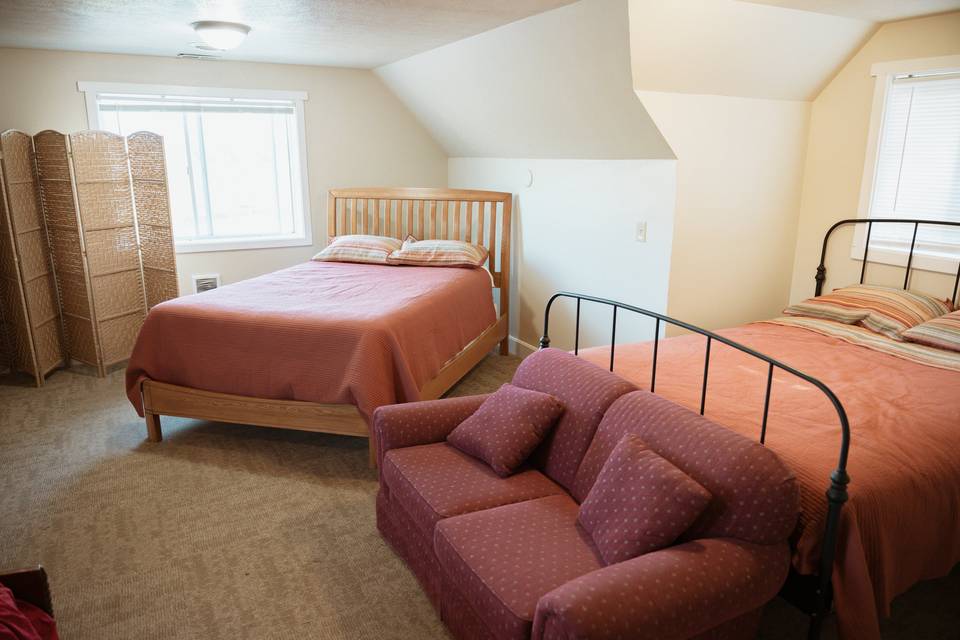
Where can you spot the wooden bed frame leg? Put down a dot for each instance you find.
(153, 427)
(505, 346)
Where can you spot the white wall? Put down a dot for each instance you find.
(555, 85)
(574, 229)
(358, 132)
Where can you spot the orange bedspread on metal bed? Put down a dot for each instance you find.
(324, 332)
(902, 521)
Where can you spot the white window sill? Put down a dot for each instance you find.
(240, 244)
(923, 260)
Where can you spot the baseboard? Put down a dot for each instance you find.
(521, 348)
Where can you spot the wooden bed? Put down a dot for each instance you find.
(481, 217)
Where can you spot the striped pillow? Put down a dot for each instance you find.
(439, 253)
(359, 248)
(942, 332)
(884, 310)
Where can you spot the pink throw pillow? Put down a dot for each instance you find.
(507, 427)
(639, 503)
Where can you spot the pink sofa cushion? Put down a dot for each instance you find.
(755, 495)
(639, 503)
(586, 392)
(503, 560)
(682, 591)
(507, 427)
(436, 481)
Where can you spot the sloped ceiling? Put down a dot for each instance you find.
(555, 85)
(733, 48)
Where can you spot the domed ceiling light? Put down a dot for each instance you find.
(221, 35)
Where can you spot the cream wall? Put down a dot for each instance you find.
(839, 127)
(739, 170)
(358, 132)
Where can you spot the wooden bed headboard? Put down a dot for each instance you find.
(480, 217)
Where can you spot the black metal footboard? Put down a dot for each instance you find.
(819, 602)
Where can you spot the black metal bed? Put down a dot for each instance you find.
(811, 593)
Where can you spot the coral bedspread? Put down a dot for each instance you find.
(902, 522)
(324, 332)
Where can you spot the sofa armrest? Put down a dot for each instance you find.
(677, 592)
(29, 585)
(413, 423)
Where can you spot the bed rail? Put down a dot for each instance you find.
(837, 490)
(821, 275)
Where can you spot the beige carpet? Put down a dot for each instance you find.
(226, 531)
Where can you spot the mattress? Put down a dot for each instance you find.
(324, 332)
(902, 521)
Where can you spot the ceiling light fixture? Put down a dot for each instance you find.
(221, 35)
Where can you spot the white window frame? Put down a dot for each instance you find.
(92, 91)
(885, 73)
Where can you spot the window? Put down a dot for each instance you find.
(915, 168)
(236, 163)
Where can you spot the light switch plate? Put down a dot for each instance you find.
(641, 231)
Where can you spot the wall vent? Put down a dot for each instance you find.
(205, 282)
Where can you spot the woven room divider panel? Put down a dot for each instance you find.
(6, 359)
(105, 203)
(148, 172)
(66, 246)
(34, 337)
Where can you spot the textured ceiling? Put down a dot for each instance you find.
(872, 10)
(352, 33)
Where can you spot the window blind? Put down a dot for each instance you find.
(918, 163)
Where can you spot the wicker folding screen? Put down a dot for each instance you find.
(90, 200)
(33, 335)
(148, 173)
(86, 247)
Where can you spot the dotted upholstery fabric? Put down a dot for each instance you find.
(397, 426)
(504, 560)
(437, 481)
(677, 592)
(639, 503)
(507, 427)
(755, 496)
(586, 392)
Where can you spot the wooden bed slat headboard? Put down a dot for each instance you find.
(480, 217)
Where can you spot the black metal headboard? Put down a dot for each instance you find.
(822, 269)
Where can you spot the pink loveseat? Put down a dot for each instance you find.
(505, 557)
